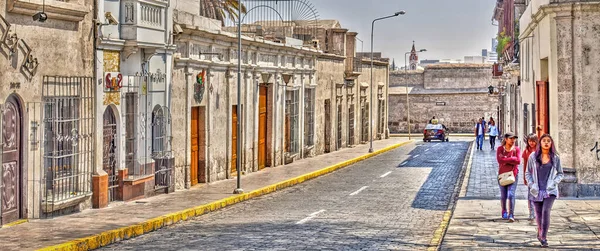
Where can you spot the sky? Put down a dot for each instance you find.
(447, 29)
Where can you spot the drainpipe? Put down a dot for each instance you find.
(574, 131)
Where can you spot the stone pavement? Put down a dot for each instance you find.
(393, 201)
(39, 233)
(476, 223)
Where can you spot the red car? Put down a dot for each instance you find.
(436, 132)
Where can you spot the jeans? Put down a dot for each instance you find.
(480, 142)
(493, 142)
(508, 192)
(542, 215)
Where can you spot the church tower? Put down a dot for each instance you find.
(414, 58)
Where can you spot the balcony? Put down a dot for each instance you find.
(144, 21)
(353, 67)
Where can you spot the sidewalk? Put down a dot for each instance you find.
(477, 224)
(137, 217)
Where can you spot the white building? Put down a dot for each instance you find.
(135, 47)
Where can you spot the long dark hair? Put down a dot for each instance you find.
(533, 137)
(538, 151)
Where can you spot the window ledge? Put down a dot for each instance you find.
(137, 179)
(52, 206)
(55, 9)
(308, 148)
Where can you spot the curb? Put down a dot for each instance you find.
(438, 235)
(14, 223)
(112, 236)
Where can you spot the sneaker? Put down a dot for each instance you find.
(544, 243)
(511, 218)
(504, 215)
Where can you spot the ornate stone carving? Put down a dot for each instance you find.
(9, 127)
(9, 182)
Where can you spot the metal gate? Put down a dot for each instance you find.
(339, 126)
(351, 125)
(365, 122)
(147, 123)
(109, 157)
(327, 126)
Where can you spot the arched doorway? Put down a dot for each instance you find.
(109, 152)
(13, 176)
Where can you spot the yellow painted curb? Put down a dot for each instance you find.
(108, 237)
(14, 223)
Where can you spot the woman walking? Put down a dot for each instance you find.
(532, 141)
(544, 174)
(509, 158)
(493, 130)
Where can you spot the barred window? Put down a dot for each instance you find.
(68, 135)
(158, 131)
(291, 121)
(351, 124)
(365, 121)
(131, 115)
(309, 116)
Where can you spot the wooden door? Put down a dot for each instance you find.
(12, 181)
(543, 116)
(234, 140)
(262, 128)
(327, 125)
(198, 142)
(195, 142)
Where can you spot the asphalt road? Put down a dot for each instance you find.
(392, 201)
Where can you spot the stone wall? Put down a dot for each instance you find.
(458, 76)
(459, 114)
(330, 71)
(454, 93)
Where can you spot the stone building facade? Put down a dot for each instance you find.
(47, 96)
(134, 55)
(456, 94)
(559, 85)
(295, 99)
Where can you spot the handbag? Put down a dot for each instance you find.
(506, 178)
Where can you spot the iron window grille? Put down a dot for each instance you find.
(365, 122)
(351, 125)
(69, 129)
(309, 116)
(381, 109)
(291, 115)
(339, 126)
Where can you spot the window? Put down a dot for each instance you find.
(158, 132)
(309, 116)
(381, 109)
(339, 126)
(291, 121)
(69, 131)
(351, 125)
(365, 122)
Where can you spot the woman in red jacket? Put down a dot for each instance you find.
(509, 158)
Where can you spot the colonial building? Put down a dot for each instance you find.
(297, 101)
(47, 94)
(559, 85)
(456, 94)
(134, 55)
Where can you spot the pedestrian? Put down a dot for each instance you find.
(431, 120)
(493, 130)
(544, 174)
(480, 133)
(531, 142)
(509, 158)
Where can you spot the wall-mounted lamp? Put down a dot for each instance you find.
(286, 78)
(266, 77)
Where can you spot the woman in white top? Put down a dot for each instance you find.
(493, 132)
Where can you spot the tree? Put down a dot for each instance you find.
(220, 9)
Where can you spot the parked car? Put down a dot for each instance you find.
(435, 132)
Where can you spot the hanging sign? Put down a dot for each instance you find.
(199, 86)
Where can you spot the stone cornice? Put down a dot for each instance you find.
(562, 10)
(54, 9)
(196, 63)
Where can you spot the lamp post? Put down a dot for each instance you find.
(406, 82)
(238, 160)
(371, 85)
(361, 44)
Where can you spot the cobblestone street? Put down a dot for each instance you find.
(393, 201)
(477, 225)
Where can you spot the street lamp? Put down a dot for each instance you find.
(238, 160)
(371, 85)
(406, 82)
